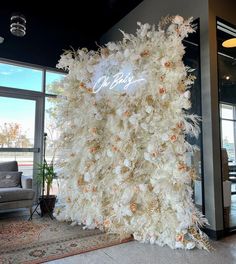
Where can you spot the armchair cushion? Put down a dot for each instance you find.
(15, 194)
(9, 166)
(10, 179)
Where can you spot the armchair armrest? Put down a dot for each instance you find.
(26, 182)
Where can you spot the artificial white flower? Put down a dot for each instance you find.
(187, 94)
(87, 177)
(126, 197)
(144, 126)
(117, 169)
(143, 187)
(149, 109)
(119, 112)
(109, 153)
(133, 120)
(98, 116)
(127, 53)
(127, 161)
(165, 137)
(190, 245)
(97, 156)
(150, 147)
(111, 46)
(152, 240)
(147, 156)
(90, 69)
(178, 20)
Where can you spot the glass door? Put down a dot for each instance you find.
(20, 126)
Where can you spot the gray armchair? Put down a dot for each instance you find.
(15, 188)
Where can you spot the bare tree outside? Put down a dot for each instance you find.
(12, 136)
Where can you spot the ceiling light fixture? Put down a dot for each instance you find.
(18, 25)
(229, 43)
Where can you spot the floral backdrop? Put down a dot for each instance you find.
(123, 119)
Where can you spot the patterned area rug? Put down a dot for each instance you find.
(43, 239)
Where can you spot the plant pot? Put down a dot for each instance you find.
(47, 204)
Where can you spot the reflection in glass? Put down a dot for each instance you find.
(50, 129)
(227, 105)
(192, 59)
(52, 77)
(52, 135)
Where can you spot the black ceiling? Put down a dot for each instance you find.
(52, 29)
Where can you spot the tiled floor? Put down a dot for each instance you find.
(137, 253)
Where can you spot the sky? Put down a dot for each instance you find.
(20, 77)
(16, 110)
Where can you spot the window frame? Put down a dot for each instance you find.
(39, 98)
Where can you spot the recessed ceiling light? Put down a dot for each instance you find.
(229, 43)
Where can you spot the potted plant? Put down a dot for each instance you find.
(45, 176)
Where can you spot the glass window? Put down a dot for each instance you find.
(24, 160)
(228, 130)
(227, 135)
(17, 121)
(227, 111)
(17, 116)
(52, 136)
(20, 77)
(50, 129)
(51, 77)
(227, 101)
(192, 59)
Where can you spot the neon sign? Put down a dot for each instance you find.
(119, 80)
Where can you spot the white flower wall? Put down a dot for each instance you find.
(123, 149)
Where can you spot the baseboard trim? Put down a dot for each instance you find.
(215, 234)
